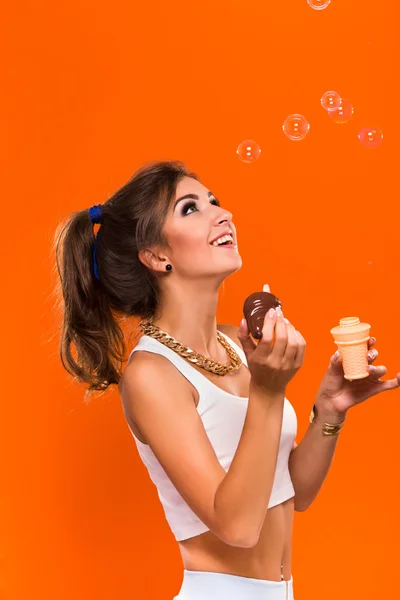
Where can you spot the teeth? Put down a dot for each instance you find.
(221, 240)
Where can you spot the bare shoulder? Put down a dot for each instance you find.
(231, 331)
(151, 369)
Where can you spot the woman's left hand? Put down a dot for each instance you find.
(336, 394)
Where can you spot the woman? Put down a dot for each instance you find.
(205, 404)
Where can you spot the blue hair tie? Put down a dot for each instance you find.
(96, 215)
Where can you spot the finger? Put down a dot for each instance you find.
(336, 363)
(372, 355)
(390, 384)
(281, 336)
(371, 342)
(291, 348)
(376, 372)
(245, 339)
(301, 349)
(266, 288)
(265, 343)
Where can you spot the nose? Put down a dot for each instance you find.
(223, 215)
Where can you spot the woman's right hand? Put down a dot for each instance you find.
(273, 363)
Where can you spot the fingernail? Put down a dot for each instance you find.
(373, 339)
(279, 311)
(285, 320)
(242, 323)
(372, 368)
(271, 313)
(336, 355)
(371, 354)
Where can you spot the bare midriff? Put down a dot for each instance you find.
(269, 559)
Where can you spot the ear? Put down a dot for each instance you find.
(152, 260)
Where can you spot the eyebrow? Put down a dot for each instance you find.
(192, 197)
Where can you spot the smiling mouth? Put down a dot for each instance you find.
(230, 245)
(226, 240)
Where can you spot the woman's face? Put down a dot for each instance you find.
(195, 219)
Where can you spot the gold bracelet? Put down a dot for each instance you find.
(327, 428)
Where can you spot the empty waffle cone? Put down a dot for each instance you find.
(351, 338)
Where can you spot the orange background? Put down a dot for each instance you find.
(91, 91)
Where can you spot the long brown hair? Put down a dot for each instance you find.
(94, 310)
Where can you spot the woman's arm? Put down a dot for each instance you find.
(310, 460)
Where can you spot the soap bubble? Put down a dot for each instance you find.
(370, 137)
(343, 113)
(330, 100)
(296, 127)
(318, 4)
(248, 151)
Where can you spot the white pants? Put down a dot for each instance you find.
(206, 585)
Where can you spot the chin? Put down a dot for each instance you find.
(236, 267)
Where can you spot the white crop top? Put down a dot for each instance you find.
(223, 416)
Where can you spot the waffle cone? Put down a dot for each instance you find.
(351, 338)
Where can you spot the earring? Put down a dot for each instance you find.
(168, 267)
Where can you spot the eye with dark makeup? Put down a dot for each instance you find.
(192, 204)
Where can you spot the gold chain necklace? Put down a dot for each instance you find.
(201, 361)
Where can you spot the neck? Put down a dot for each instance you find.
(188, 313)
